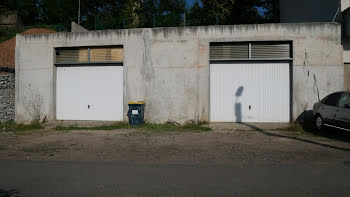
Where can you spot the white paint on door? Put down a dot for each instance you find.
(89, 93)
(249, 92)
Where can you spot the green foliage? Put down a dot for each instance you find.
(112, 14)
(172, 127)
(7, 33)
(272, 14)
(11, 126)
(3, 147)
(106, 127)
(195, 15)
(146, 126)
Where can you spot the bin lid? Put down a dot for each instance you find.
(136, 102)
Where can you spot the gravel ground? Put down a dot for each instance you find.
(223, 146)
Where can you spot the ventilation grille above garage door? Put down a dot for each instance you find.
(82, 55)
(250, 51)
(229, 51)
(102, 54)
(270, 51)
(72, 55)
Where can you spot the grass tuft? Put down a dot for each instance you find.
(106, 127)
(292, 128)
(172, 127)
(11, 126)
(3, 147)
(146, 126)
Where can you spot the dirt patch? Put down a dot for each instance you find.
(38, 31)
(137, 146)
(7, 48)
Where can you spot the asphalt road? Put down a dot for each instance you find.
(42, 178)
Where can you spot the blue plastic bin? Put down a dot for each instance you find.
(136, 112)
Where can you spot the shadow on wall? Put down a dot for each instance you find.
(305, 117)
(238, 105)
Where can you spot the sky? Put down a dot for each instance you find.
(190, 2)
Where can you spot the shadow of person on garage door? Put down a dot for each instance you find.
(238, 105)
(293, 138)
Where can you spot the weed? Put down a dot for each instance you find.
(3, 147)
(293, 128)
(171, 127)
(11, 126)
(146, 126)
(106, 127)
(296, 129)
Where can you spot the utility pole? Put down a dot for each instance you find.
(79, 14)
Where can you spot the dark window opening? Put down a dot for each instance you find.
(332, 99)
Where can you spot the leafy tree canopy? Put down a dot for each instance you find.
(106, 14)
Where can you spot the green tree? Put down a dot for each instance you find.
(149, 13)
(195, 15)
(272, 13)
(27, 11)
(218, 9)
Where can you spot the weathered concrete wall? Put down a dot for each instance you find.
(169, 67)
(347, 76)
(7, 97)
(77, 28)
(345, 4)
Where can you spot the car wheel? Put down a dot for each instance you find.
(319, 122)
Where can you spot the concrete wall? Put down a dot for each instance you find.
(7, 97)
(169, 67)
(77, 28)
(345, 4)
(347, 76)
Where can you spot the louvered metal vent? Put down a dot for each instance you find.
(72, 55)
(270, 51)
(89, 55)
(250, 51)
(219, 51)
(106, 54)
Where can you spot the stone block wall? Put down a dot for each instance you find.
(7, 97)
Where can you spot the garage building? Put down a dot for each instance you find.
(241, 73)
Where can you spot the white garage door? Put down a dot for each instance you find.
(89, 93)
(249, 92)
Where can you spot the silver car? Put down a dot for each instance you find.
(333, 111)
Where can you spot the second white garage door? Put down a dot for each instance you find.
(89, 93)
(250, 92)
